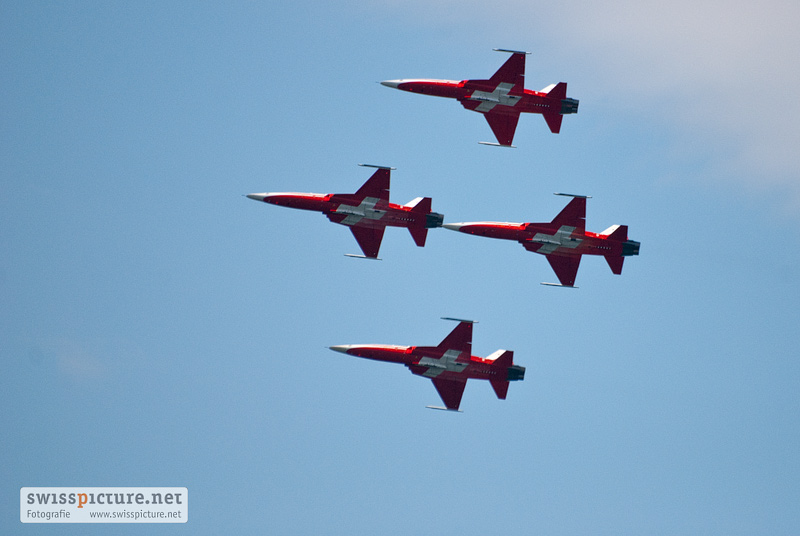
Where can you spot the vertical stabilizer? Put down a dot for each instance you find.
(566, 106)
(556, 91)
(501, 359)
(616, 232)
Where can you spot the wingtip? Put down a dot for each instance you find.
(442, 408)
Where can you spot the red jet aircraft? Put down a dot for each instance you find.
(501, 98)
(448, 365)
(367, 212)
(563, 240)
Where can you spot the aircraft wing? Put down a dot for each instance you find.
(377, 186)
(503, 125)
(450, 391)
(369, 239)
(565, 267)
(460, 340)
(574, 214)
(512, 72)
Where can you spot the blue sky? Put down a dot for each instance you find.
(159, 329)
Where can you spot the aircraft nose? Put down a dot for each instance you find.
(391, 83)
(257, 197)
(454, 226)
(340, 348)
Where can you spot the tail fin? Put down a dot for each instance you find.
(502, 359)
(553, 121)
(616, 232)
(420, 205)
(419, 234)
(500, 388)
(615, 263)
(555, 91)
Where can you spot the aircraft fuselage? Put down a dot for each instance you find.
(484, 96)
(346, 209)
(431, 362)
(550, 239)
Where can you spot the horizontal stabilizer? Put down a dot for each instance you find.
(419, 234)
(615, 263)
(553, 121)
(500, 388)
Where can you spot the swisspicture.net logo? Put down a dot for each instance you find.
(103, 505)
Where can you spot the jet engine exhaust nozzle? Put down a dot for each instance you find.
(569, 106)
(433, 220)
(630, 248)
(515, 372)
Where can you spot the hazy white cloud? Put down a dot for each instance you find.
(724, 73)
(70, 359)
(719, 75)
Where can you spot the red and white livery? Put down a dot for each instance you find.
(563, 241)
(367, 212)
(449, 365)
(501, 98)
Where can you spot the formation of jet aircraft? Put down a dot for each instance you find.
(367, 212)
(449, 365)
(564, 240)
(501, 98)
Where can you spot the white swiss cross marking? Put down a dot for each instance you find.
(366, 209)
(446, 362)
(562, 239)
(498, 96)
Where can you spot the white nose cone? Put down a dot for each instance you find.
(343, 348)
(454, 226)
(257, 197)
(391, 83)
